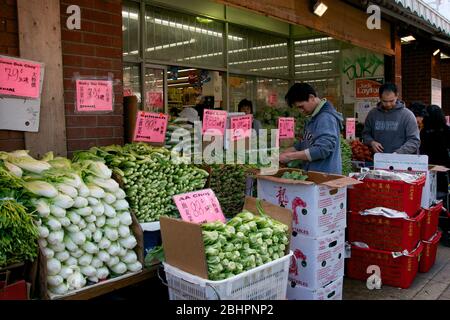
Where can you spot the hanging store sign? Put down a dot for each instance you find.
(214, 122)
(94, 95)
(241, 127)
(199, 207)
(19, 78)
(368, 88)
(286, 126)
(150, 127)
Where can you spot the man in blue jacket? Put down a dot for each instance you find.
(391, 127)
(320, 148)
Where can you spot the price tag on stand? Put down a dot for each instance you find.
(241, 127)
(214, 122)
(19, 78)
(94, 95)
(199, 207)
(150, 127)
(350, 128)
(286, 127)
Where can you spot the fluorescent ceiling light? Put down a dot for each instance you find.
(316, 53)
(320, 8)
(269, 68)
(315, 40)
(257, 60)
(444, 56)
(436, 52)
(171, 45)
(313, 64)
(312, 71)
(407, 39)
(132, 52)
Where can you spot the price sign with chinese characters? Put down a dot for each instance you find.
(286, 127)
(214, 122)
(199, 207)
(19, 78)
(94, 95)
(241, 127)
(350, 128)
(150, 127)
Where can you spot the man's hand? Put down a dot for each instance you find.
(376, 147)
(285, 157)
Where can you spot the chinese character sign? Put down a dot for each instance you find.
(155, 100)
(241, 127)
(350, 128)
(286, 127)
(199, 207)
(19, 78)
(150, 127)
(94, 95)
(214, 122)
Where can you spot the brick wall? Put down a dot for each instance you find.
(9, 45)
(445, 74)
(95, 50)
(417, 71)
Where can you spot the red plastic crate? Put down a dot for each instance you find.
(431, 221)
(397, 195)
(389, 234)
(429, 252)
(397, 272)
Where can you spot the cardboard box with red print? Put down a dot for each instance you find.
(332, 291)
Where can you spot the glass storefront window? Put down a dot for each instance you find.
(258, 53)
(131, 81)
(130, 30)
(154, 89)
(184, 39)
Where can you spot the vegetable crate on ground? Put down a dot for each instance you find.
(430, 247)
(391, 234)
(396, 272)
(431, 221)
(266, 282)
(398, 195)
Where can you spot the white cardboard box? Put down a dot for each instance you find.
(416, 163)
(317, 261)
(332, 291)
(318, 204)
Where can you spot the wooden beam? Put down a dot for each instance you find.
(40, 40)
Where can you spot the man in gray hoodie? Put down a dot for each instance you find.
(391, 127)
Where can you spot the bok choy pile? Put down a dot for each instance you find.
(243, 243)
(83, 219)
(150, 177)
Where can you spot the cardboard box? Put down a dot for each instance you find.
(317, 261)
(415, 163)
(318, 204)
(183, 241)
(332, 291)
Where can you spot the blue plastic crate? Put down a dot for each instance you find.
(152, 236)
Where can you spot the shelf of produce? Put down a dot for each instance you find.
(87, 294)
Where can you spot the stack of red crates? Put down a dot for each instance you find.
(394, 243)
(430, 237)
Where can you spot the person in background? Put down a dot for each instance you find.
(419, 110)
(320, 149)
(246, 106)
(200, 106)
(391, 127)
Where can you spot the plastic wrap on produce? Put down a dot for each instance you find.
(386, 212)
(386, 175)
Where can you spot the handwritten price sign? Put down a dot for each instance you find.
(94, 95)
(150, 127)
(286, 127)
(214, 122)
(241, 127)
(199, 207)
(19, 78)
(350, 128)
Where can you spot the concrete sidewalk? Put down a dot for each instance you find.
(434, 285)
